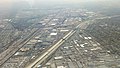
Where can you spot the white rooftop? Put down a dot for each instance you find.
(60, 57)
(61, 67)
(53, 34)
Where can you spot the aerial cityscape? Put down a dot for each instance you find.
(60, 34)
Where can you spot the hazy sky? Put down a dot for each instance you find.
(68, 1)
(63, 1)
(52, 0)
(46, 2)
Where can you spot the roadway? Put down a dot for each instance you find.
(78, 52)
(50, 51)
(40, 59)
(15, 47)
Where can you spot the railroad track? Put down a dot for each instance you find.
(15, 47)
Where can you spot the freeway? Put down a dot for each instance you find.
(50, 51)
(79, 52)
(107, 17)
(43, 57)
(15, 47)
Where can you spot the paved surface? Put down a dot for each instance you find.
(50, 51)
(14, 48)
(80, 52)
